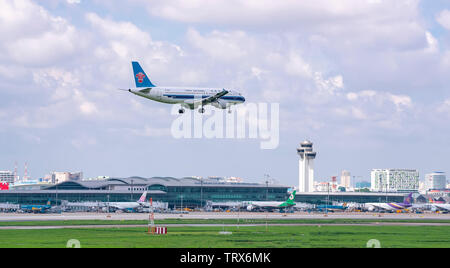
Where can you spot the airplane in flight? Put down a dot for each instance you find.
(128, 206)
(258, 205)
(189, 97)
(407, 203)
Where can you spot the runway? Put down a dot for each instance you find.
(219, 215)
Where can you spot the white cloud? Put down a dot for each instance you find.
(357, 23)
(302, 67)
(433, 44)
(29, 35)
(330, 86)
(444, 19)
(267, 12)
(149, 131)
(221, 45)
(113, 30)
(296, 65)
(84, 141)
(444, 108)
(88, 108)
(401, 102)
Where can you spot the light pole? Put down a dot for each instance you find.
(267, 186)
(131, 190)
(181, 202)
(381, 187)
(107, 206)
(56, 194)
(201, 193)
(328, 198)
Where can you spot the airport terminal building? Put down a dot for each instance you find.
(184, 192)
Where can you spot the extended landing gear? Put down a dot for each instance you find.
(181, 111)
(201, 110)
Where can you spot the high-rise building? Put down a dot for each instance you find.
(306, 167)
(435, 181)
(394, 180)
(6, 177)
(345, 179)
(322, 187)
(58, 177)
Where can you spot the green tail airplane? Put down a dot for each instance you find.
(255, 205)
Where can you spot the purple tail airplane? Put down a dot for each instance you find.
(407, 203)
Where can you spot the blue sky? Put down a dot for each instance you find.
(366, 81)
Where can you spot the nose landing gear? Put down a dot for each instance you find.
(201, 110)
(181, 111)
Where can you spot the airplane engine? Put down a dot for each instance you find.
(221, 104)
(250, 208)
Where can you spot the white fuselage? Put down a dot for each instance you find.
(186, 96)
(445, 207)
(124, 205)
(385, 206)
(252, 205)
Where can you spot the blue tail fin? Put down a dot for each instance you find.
(140, 76)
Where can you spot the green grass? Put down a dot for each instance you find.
(244, 237)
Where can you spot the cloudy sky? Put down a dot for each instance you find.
(366, 80)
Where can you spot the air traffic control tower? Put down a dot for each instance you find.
(306, 167)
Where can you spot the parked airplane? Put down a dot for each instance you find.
(303, 206)
(190, 98)
(223, 205)
(128, 206)
(407, 203)
(36, 208)
(332, 208)
(255, 205)
(6, 206)
(441, 207)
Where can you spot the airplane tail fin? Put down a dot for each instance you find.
(291, 198)
(140, 76)
(143, 197)
(49, 202)
(408, 199)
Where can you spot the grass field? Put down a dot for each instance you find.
(245, 237)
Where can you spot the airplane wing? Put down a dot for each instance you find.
(205, 101)
(267, 204)
(382, 206)
(442, 206)
(116, 206)
(123, 206)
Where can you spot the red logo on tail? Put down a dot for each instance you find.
(4, 186)
(140, 77)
